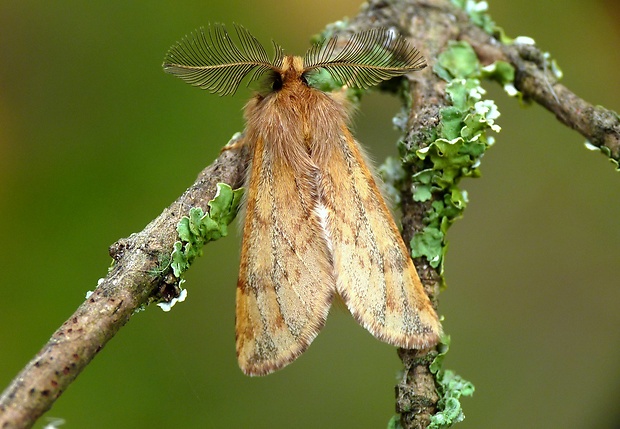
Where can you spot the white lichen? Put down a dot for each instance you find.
(167, 306)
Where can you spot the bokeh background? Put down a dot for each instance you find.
(95, 140)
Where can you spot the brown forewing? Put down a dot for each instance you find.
(286, 279)
(374, 273)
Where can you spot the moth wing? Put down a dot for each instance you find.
(375, 275)
(286, 282)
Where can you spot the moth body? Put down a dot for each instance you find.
(316, 224)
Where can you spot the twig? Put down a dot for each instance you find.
(132, 282)
(536, 81)
(135, 279)
(432, 24)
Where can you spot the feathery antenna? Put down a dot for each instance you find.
(368, 58)
(211, 60)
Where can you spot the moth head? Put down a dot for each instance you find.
(211, 60)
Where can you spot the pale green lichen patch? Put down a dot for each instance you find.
(446, 154)
(458, 61)
(553, 66)
(504, 74)
(455, 148)
(199, 227)
(477, 13)
(605, 151)
(450, 387)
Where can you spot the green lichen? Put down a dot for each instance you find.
(394, 422)
(504, 74)
(199, 227)
(477, 13)
(459, 61)
(604, 150)
(453, 152)
(322, 80)
(450, 387)
(444, 155)
(163, 263)
(454, 149)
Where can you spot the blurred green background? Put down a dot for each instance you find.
(95, 140)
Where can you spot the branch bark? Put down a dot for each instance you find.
(431, 25)
(134, 281)
(534, 78)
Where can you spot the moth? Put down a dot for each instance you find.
(316, 225)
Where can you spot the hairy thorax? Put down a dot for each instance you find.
(296, 121)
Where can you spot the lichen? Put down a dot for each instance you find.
(450, 387)
(446, 154)
(477, 13)
(198, 228)
(455, 148)
(604, 150)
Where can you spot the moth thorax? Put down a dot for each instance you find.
(292, 69)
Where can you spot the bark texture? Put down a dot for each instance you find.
(134, 281)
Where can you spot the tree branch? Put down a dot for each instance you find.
(132, 283)
(536, 81)
(135, 279)
(432, 24)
